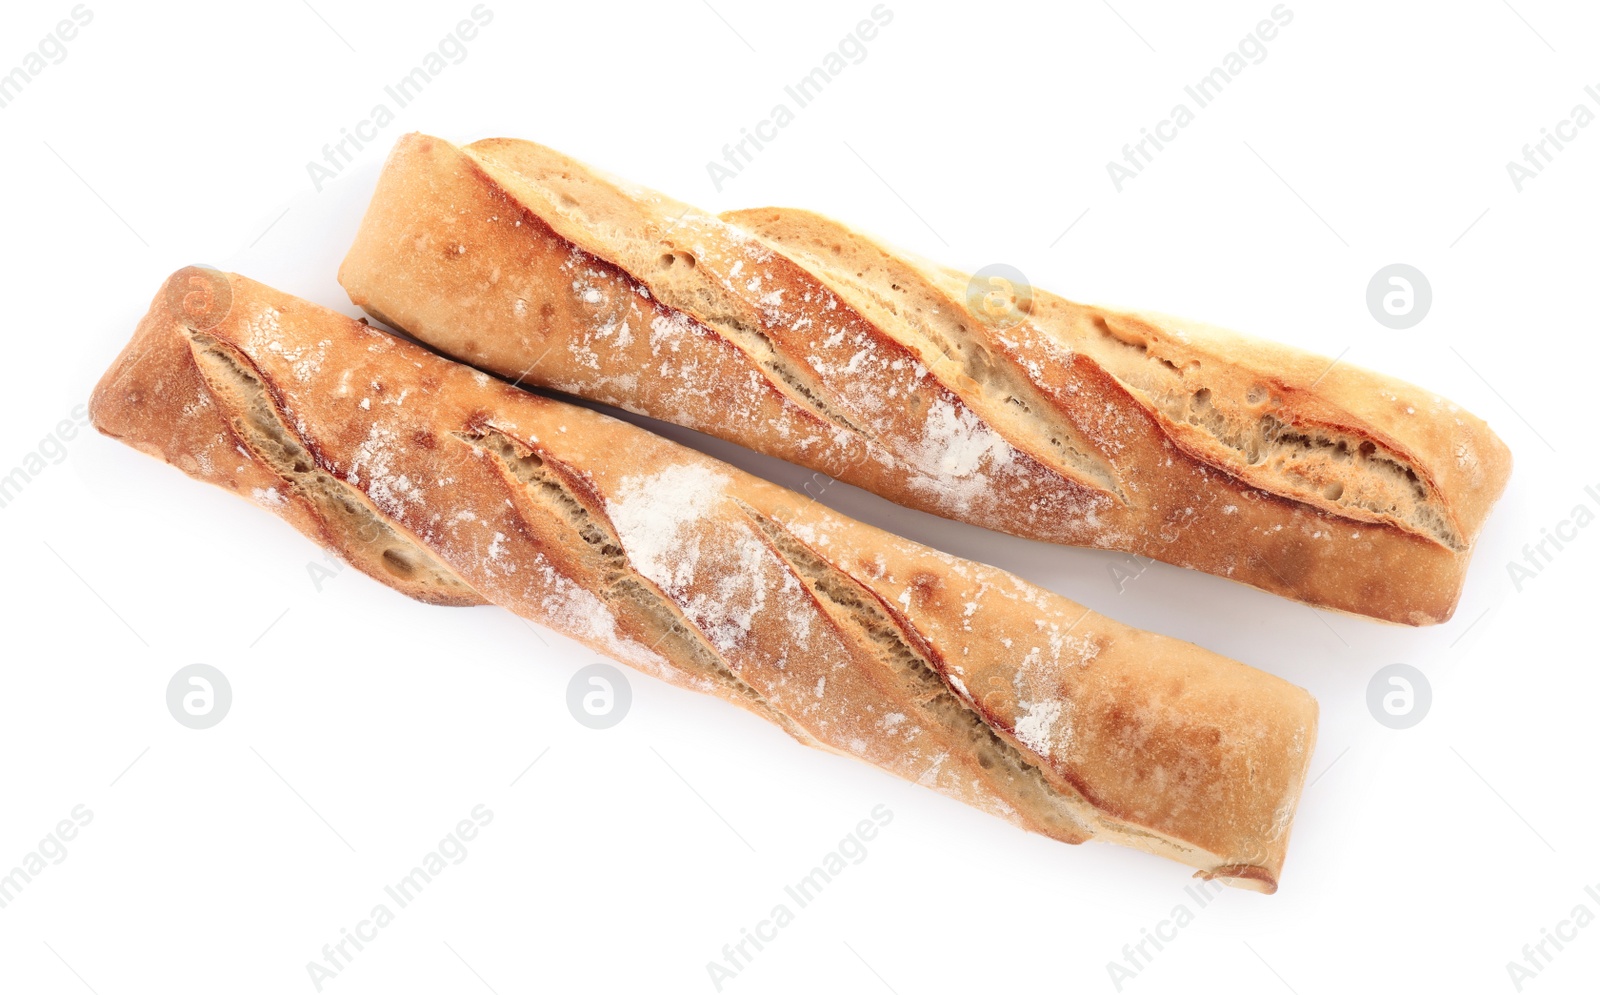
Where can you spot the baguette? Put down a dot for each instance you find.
(458, 489)
(791, 334)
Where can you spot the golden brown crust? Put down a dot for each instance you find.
(447, 484)
(791, 334)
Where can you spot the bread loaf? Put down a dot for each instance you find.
(791, 334)
(457, 489)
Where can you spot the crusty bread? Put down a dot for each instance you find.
(459, 489)
(791, 334)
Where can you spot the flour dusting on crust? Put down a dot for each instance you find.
(1036, 728)
(578, 612)
(960, 454)
(656, 517)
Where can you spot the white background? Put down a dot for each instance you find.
(364, 726)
